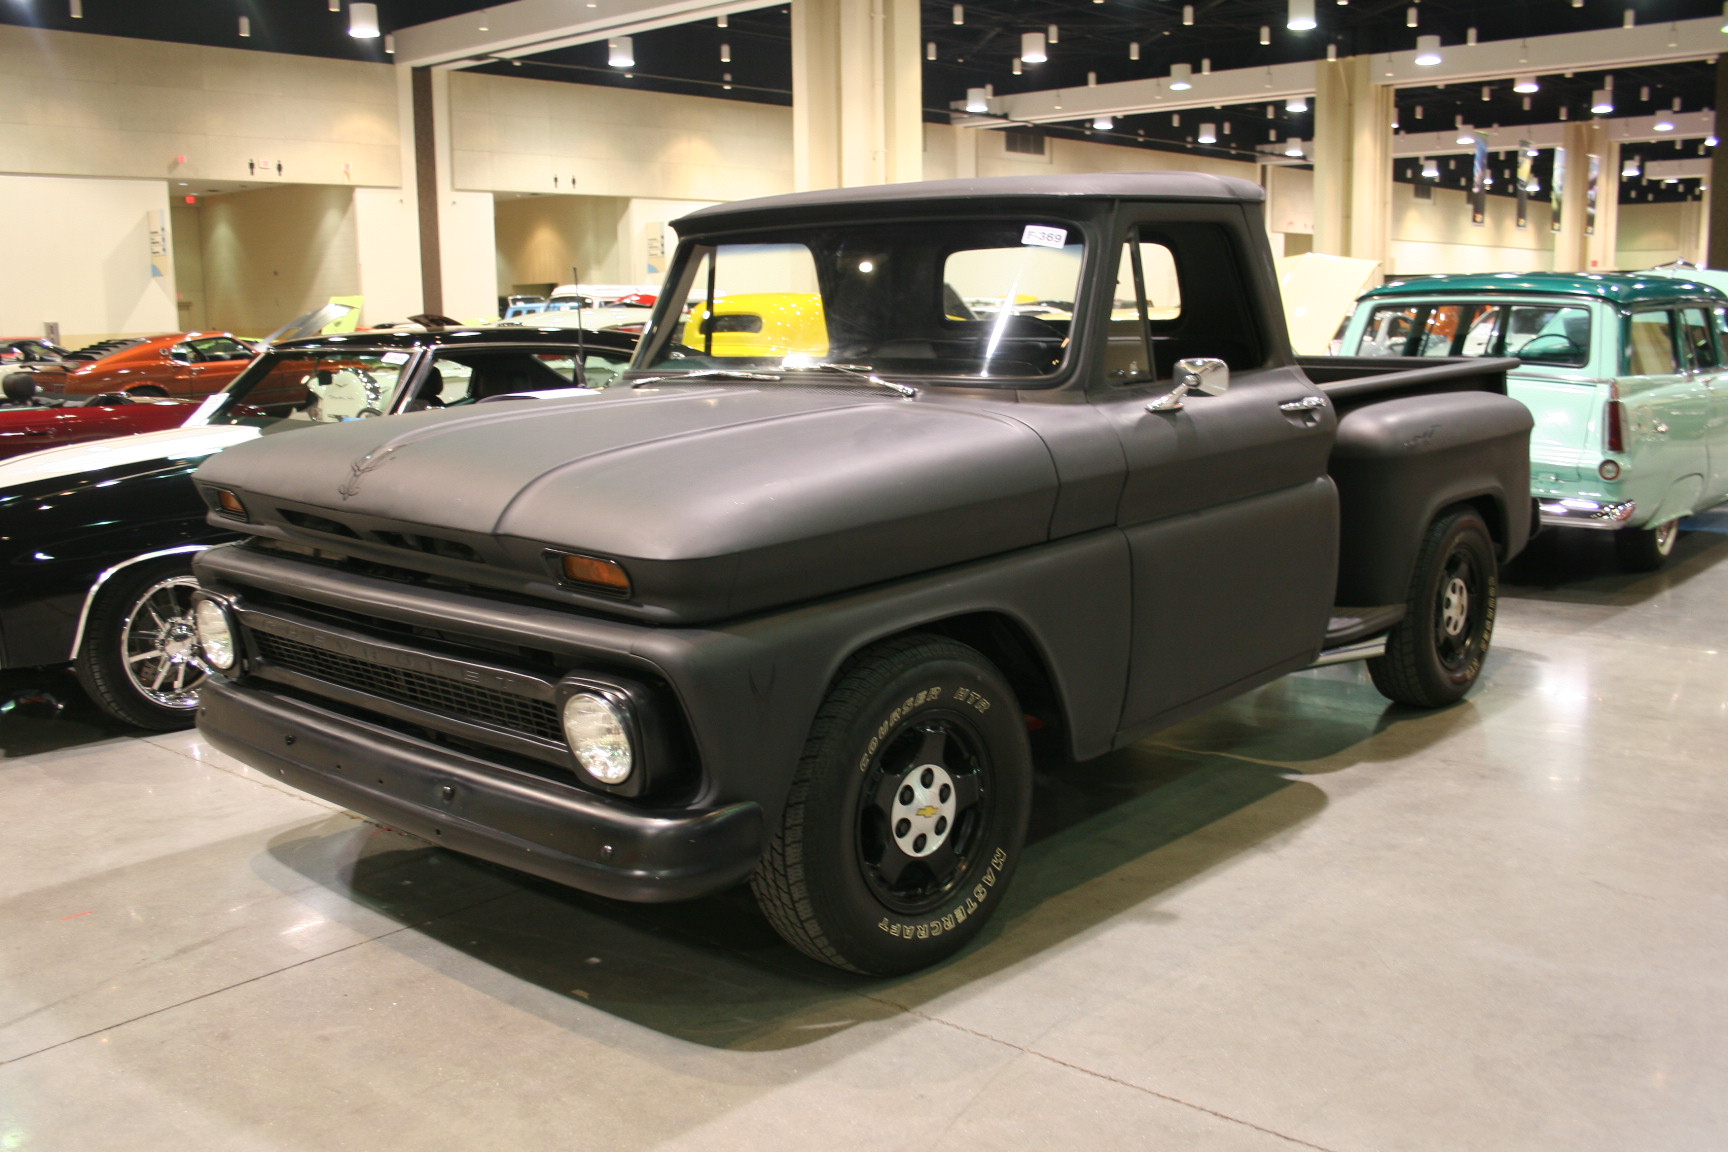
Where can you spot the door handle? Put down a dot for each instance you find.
(1306, 404)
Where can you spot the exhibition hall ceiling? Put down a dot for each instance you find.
(972, 45)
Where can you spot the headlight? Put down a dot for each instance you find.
(215, 636)
(599, 737)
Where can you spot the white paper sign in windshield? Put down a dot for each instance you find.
(1044, 237)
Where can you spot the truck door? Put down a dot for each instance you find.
(1230, 518)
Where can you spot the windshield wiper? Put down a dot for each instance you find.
(864, 372)
(707, 374)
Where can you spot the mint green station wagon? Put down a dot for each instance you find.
(1624, 373)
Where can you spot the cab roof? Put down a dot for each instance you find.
(1615, 287)
(464, 337)
(1188, 186)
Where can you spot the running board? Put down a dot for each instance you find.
(1350, 653)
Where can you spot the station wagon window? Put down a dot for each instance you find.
(1650, 344)
(978, 299)
(1701, 342)
(1551, 334)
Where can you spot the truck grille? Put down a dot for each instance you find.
(417, 689)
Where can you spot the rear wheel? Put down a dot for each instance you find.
(1435, 653)
(907, 813)
(139, 658)
(1646, 549)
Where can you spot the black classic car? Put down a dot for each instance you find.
(96, 539)
(899, 474)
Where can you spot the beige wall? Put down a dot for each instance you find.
(1652, 234)
(1437, 235)
(272, 254)
(514, 135)
(78, 254)
(541, 237)
(188, 264)
(951, 153)
(73, 104)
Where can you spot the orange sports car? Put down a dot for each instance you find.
(178, 364)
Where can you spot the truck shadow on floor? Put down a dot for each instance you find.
(1109, 838)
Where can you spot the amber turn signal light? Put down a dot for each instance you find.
(607, 574)
(230, 503)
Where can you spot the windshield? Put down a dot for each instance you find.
(1550, 334)
(983, 300)
(300, 387)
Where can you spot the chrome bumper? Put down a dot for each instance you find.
(1576, 513)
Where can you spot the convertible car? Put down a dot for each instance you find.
(30, 421)
(96, 540)
(16, 350)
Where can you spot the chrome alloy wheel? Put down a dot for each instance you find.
(160, 646)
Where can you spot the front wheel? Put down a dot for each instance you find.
(139, 660)
(1435, 653)
(907, 813)
(1646, 549)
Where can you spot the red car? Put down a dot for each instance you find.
(178, 364)
(29, 422)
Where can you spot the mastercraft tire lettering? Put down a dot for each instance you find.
(907, 815)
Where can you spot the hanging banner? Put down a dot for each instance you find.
(1557, 193)
(1526, 173)
(1479, 183)
(1591, 184)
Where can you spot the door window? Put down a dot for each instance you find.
(1650, 348)
(1702, 347)
(220, 348)
(1126, 360)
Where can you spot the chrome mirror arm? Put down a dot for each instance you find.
(1207, 374)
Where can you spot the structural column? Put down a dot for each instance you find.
(857, 93)
(1587, 241)
(458, 237)
(1352, 160)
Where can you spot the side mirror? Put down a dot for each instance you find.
(1204, 374)
(179, 353)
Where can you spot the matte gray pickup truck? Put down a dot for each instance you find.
(902, 482)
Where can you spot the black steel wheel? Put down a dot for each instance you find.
(139, 658)
(1435, 653)
(1646, 549)
(907, 813)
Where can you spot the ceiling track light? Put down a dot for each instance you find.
(1430, 170)
(1293, 147)
(1265, 34)
(1181, 77)
(621, 52)
(1296, 104)
(959, 16)
(1091, 79)
(1016, 68)
(245, 26)
(362, 21)
(1206, 66)
(1208, 134)
(1601, 102)
(721, 21)
(1133, 49)
(1331, 53)
(1663, 125)
(1427, 50)
(77, 8)
(1630, 20)
(1525, 85)
(930, 50)
(1054, 34)
(390, 47)
(1299, 15)
(1187, 14)
(1526, 103)
(1411, 17)
(1032, 48)
(1470, 36)
(1103, 123)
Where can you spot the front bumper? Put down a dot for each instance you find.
(562, 833)
(1575, 513)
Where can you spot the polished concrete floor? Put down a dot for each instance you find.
(1304, 920)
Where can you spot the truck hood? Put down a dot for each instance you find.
(717, 500)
